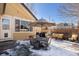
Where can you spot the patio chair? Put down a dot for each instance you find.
(57, 36)
(60, 36)
(74, 37)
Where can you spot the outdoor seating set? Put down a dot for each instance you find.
(57, 36)
(70, 37)
(40, 42)
(74, 37)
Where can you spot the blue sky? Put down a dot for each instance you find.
(48, 11)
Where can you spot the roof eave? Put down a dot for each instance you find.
(28, 10)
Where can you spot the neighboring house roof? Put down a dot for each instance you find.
(28, 10)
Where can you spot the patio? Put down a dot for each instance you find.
(56, 48)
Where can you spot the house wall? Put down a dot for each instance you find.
(1, 8)
(25, 35)
(0, 26)
(22, 35)
(18, 35)
(11, 27)
(16, 11)
(37, 29)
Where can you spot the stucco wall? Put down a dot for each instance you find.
(22, 35)
(1, 8)
(37, 29)
(0, 26)
(18, 10)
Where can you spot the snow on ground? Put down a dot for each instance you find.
(56, 48)
(25, 42)
(66, 45)
(54, 51)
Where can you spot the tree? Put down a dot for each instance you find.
(70, 12)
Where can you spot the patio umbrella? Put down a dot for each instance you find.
(42, 24)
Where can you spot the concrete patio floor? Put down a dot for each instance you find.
(56, 48)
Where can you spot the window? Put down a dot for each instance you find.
(17, 25)
(5, 24)
(25, 25)
(5, 34)
(22, 26)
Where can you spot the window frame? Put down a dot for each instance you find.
(30, 29)
(4, 23)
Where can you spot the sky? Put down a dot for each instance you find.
(48, 11)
